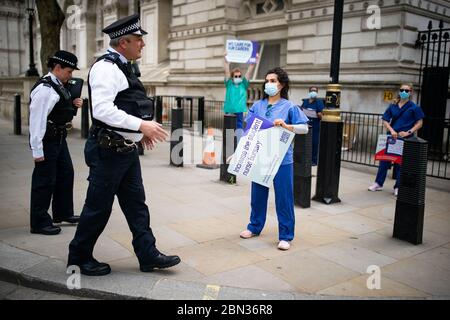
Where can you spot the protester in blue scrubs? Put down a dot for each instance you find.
(402, 118)
(313, 108)
(276, 107)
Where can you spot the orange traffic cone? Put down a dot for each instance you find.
(209, 155)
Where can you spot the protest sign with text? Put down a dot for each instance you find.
(260, 151)
(242, 51)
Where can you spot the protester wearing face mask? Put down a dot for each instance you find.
(313, 107)
(276, 107)
(402, 118)
(236, 92)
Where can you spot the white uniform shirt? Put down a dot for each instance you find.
(106, 81)
(43, 99)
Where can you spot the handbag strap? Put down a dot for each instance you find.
(402, 110)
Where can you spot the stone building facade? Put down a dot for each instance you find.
(186, 42)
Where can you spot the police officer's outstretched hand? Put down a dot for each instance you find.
(147, 143)
(154, 131)
(78, 102)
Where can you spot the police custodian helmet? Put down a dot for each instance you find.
(65, 59)
(124, 26)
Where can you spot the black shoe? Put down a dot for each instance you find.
(161, 261)
(49, 230)
(72, 219)
(93, 268)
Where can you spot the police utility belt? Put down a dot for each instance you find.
(111, 140)
(57, 130)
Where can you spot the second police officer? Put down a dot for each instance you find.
(51, 111)
(122, 115)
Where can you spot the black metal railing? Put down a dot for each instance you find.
(190, 105)
(360, 135)
(437, 132)
(214, 114)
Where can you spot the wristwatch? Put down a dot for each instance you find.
(409, 132)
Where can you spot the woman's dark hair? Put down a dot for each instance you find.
(313, 87)
(51, 64)
(283, 78)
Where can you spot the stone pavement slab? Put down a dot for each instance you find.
(196, 216)
(307, 272)
(357, 287)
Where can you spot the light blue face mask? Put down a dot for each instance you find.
(313, 95)
(237, 80)
(271, 89)
(404, 95)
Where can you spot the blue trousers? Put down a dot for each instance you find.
(382, 172)
(112, 174)
(239, 120)
(239, 125)
(284, 202)
(315, 139)
(52, 178)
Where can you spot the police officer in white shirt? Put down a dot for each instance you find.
(51, 110)
(121, 115)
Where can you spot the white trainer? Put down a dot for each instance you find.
(247, 234)
(396, 192)
(284, 245)
(375, 187)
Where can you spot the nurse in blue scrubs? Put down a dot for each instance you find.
(313, 107)
(276, 107)
(402, 118)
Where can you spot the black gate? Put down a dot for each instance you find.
(433, 88)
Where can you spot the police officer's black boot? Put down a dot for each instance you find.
(161, 261)
(49, 230)
(93, 268)
(73, 219)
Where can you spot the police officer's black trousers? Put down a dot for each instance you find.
(52, 177)
(111, 174)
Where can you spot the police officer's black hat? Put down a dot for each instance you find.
(65, 59)
(124, 26)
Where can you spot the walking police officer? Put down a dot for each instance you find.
(51, 110)
(122, 115)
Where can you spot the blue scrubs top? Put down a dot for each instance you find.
(316, 105)
(283, 109)
(407, 120)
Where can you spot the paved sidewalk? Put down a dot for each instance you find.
(199, 218)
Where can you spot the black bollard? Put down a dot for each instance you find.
(229, 143)
(158, 109)
(176, 138)
(191, 110)
(85, 119)
(329, 166)
(410, 205)
(302, 169)
(201, 114)
(17, 115)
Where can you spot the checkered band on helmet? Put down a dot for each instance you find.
(129, 29)
(65, 61)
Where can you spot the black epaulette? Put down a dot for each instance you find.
(110, 57)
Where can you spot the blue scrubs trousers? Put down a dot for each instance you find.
(239, 125)
(284, 202)
(382, 172)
